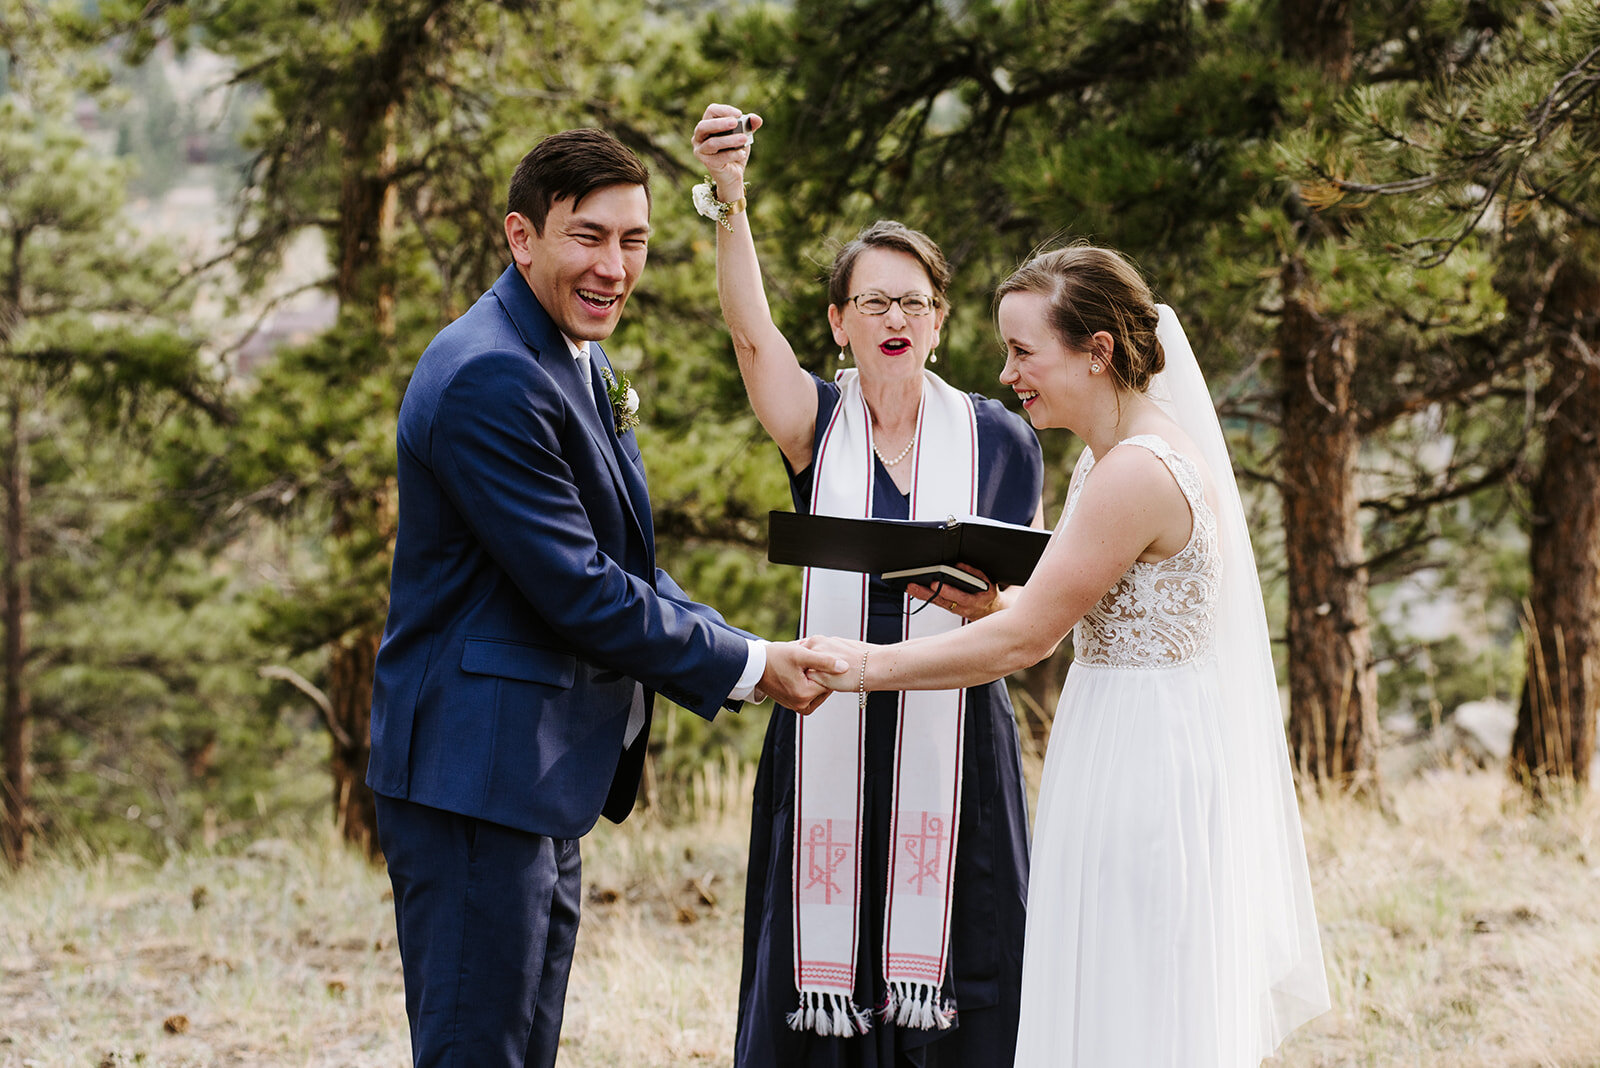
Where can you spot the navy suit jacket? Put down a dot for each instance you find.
(525, 600)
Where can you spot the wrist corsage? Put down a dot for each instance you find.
(707, 204)
(624, 401)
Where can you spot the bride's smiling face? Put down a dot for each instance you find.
(1051, 378)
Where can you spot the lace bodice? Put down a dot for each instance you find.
(1161, 613)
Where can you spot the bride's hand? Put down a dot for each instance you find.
(722, 150)
(955, 600)
(847, 681)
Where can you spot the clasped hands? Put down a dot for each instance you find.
(801, 674)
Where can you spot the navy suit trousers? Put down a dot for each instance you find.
(487, 918)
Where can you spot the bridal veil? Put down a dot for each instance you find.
(1282, 952)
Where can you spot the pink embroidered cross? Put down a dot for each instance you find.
(825, 855)
(925, 846)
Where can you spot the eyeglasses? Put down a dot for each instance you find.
(910, 303)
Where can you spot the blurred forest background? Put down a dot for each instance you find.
(229, 227)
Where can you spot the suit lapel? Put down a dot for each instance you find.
(550, 349)
(632, 473)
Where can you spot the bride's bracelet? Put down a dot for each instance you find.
(861, 691)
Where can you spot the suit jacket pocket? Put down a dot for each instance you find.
(518, 660)
(630, 448)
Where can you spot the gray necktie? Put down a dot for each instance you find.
(585, 366)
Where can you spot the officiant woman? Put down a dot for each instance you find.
(888, 851)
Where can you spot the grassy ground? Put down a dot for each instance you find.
(1461, 930)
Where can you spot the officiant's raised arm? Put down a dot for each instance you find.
(780, 391)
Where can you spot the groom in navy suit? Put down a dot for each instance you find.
(529, 628)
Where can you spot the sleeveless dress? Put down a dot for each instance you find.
(991, 876)
(1134, 921)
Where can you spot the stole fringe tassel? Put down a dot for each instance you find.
(917, 1005)
(829, 1014)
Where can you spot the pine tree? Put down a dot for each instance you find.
(1155, 128)
(85, 329)
(394, 131)
(1501, 153)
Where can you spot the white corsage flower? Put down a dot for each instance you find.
(624, 400)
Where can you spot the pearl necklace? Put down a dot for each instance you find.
(903, 452)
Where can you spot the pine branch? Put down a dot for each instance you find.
(59, 359)
(285, 674)
(1465, 383)
(1257, 475)
(1421, 502)
(1418, 537)
(684, 524)
(272, 305)
(1494, 171)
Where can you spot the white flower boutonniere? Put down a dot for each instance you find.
(624, 401)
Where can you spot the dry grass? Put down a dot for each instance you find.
(1462, 931)
(283, 956)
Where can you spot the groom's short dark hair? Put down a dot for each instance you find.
(571, 164)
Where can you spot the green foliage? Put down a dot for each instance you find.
(1507, 138)
(1181, 140)
(257, 530)
(133, 677)
(1450, 635)
(445, 112)
(153, 727)
(1456, 198)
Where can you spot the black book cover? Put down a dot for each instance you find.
(1005, 552)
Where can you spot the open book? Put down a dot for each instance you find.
(901, 551)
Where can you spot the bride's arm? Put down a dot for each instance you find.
(781, 393)
(1128, 502)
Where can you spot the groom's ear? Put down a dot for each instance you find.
(519, 235)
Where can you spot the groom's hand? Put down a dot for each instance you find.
(850, 652)
(786, 678)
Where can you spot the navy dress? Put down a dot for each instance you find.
(991, 879)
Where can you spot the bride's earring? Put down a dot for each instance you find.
(844, 355)
(1094, 368)
(933, 357)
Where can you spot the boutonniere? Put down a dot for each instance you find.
(624, 401)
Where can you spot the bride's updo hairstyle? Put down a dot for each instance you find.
(1091, 289)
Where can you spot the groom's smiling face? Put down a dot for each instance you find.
(587, 260)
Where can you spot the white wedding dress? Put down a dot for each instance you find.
(1169, 911)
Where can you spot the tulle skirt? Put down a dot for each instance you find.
(1138, 923)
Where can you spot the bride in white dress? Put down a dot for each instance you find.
(1170, 920)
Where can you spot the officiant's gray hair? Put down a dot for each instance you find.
(1090, 289)
(896, 237)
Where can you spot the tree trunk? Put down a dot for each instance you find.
(1332, 681)
(1320, 33)
(350, 665)
(1555, 736)
(16, 713)
(369, 203)
(368, 211)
